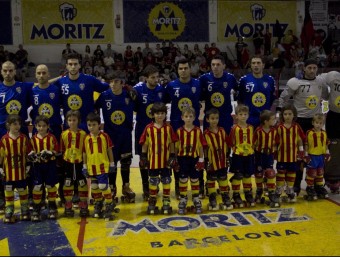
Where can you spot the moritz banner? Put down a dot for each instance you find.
(53, 21)
(153, 21)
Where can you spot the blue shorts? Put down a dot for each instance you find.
(45, 173)
(15, 184)
(289, 166)
(101, 179)
(316, 162)
(122, 143)
(263, 162)
(242, 164)
(187, 167)
(164, 173)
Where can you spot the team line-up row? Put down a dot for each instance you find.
(154, 143)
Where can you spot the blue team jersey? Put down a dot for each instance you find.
(216, 94)
(78, 94)
(117, 111)
(46, 102)
(258, 94)
(182, 95)
(145, 99)
(14, 100)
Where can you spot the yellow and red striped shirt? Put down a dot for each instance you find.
(217, 147)
(96, 149)
(49, 142)
(71, 145)
(287, 140)
(158, 141)
(265, 141)
(14, 152)
(242, 140)
(190, 142)
(317, 142)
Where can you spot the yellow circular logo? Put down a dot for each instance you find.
(13, 107)
(258, 99)
(183, 103)
(166, 21)
(118, 117)
(46, 110)
(337, 102)
(148, 111)
(74, 102)
(312, 101)
(217, 99)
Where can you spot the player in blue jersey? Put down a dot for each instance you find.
(218, 87)
(14, 99)
(117, 108)
(46, 100)
(148, 93)
(77, 90)
(183, 92)
(256, 90)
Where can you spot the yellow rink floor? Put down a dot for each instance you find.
(302, 228)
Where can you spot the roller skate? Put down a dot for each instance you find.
(291, 196)
(108, 212)
(177, 193)
(197, 205)
(237, 201)
(311, 194)
(146, 192)
(9, 214)
(114, 194)
(226, 202)
(166, 208)
(152, 208)
(83, 209)
(52, 210)
(2, 203)
(259, 196)
(35, 217)
(274, 199)
(212, 205)
(128, 195)
(321, 192)
(182, 206)
(98, 206)
(75, 200)
(250, 201)
(25, 213)
(68, 212)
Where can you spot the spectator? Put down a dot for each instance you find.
(258, 40)
(65, 52)
(128, 54)
(147, 50)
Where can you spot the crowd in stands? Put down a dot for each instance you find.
(278, 53)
